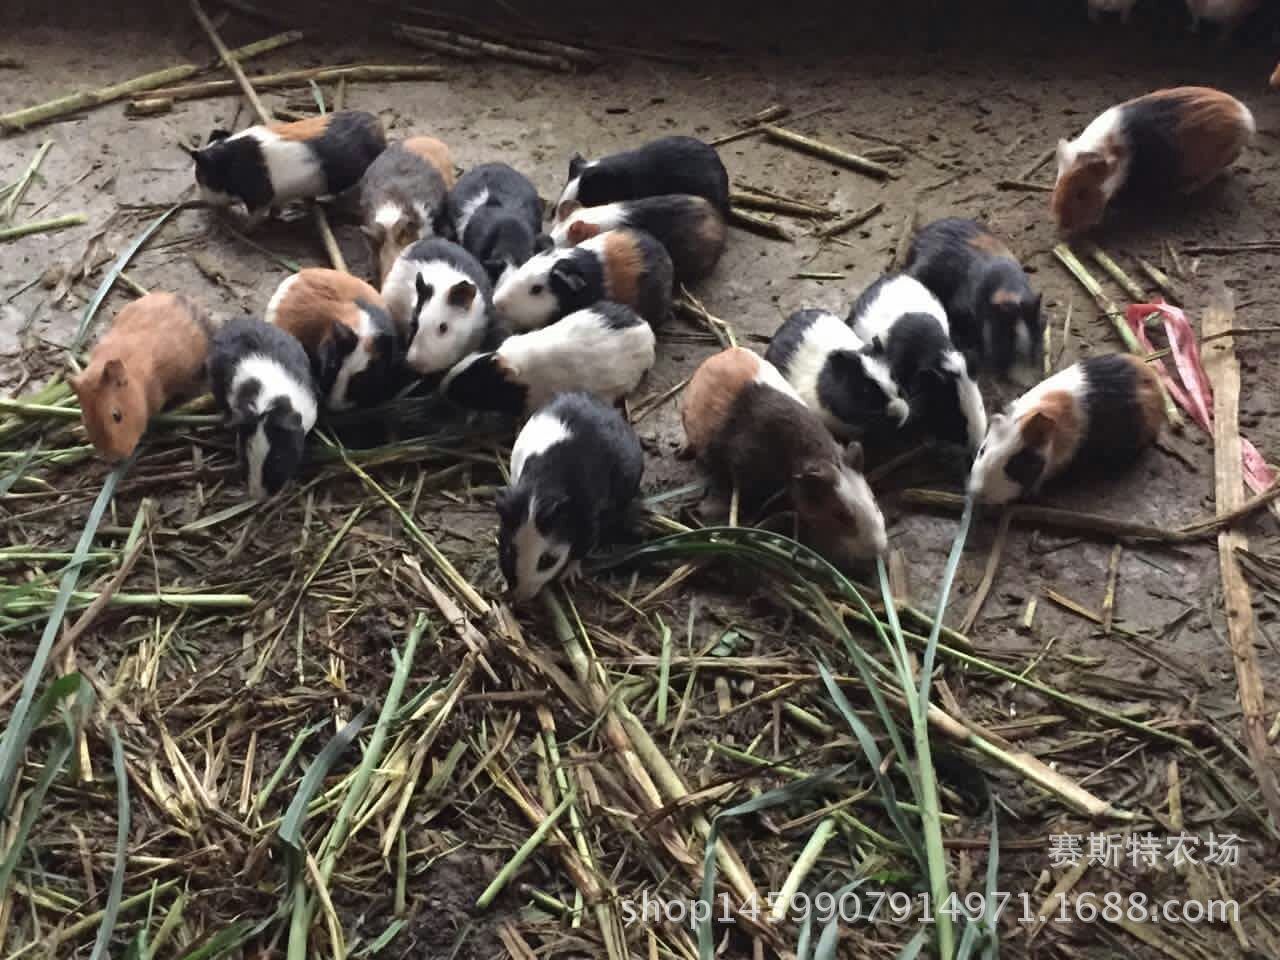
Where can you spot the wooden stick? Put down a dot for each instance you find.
(848, 223)
(72, 103)
(788, 208)
(1226, 250)
(900, 249)
(300, 78)
(760, 225)
(1223, 371)
(42, 226)
(1041, 160)
(229, 61)
(1135, 293)
(759, 127)
(498, 51)
(406, 35)
(1024, 185)
(827, 152)
(19, 188)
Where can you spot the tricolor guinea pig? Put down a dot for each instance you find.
(496, 213)
(268, 166)
(754, 434)
(664, 166)
(153, 353)
(1102, 411)
(441, 301)
(262, 383)
(625, 266)
(988, 299)
(402, 196)
(691, 228)
(1229, 13)
(1147, 150)
(906, 325)
(575, 468)
(343, 325)
(837, 375)
(1122, 7)
(603, 350)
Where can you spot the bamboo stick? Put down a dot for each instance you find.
(72, 103)
(19, 188)
(352, 73)
(498, 51)
(407, 35)
(790, 208)
(42, 226)
(848, 223)
(761, 225)
(827, 152)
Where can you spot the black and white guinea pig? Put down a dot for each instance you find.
(603, 350)
(990, 305)
(268, 166)
(691, 228)
(496, 213)
(1123, 7)
(575, 468)
(441, 301)
(837, 375)
(626, 266)
(752, 432)
(261, 380)
(1102, 411)
(906, 325)
(343, 325)
(402, 196)
(664, 166)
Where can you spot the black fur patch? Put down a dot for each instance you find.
(504, 230)
(789, 337)
(691, 230)
(1025, 468)
(851, 395)
(617, 316)
(236, 168)
(577, 280)
(351, 141)
(665, 166)
(482, 386)
(1114, 421)
(1150, 127)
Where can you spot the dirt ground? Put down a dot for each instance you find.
(973, 101)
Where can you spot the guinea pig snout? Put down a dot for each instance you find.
(898, 410)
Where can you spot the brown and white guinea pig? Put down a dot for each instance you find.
(262, 383)
(442, 303)
(1147, 150)
(575, 469)
(347, 332)
(1102, 411)
(153, 353)
(1229, 13)
(664, 166)
(691, 228)
(402, 196)
(990, 305)
(603, 350)
(1122, 7)
(496, 214)
(269, 165)
(906, 326)
(752, 432)
(626, 266)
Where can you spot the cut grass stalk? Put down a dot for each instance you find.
(42, 226)
(804, 863)
(112, 909)
(827, 152)
(14, 193)
(352, 73)
(503, 877)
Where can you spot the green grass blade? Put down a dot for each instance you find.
(290, 830)
(991, 950)
(116, 890)
(14, 475)
(829, 942)
(913, 946)
(18, 731)
(803, 945)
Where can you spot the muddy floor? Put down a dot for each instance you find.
(971, 103)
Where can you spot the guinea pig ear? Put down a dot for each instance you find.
(113, 374)
(1092, 161)
(580, 230)
(216, 135)
(1037, 429)
(503, 502)
(462, 294)
(854, 456)
(563, 274)
(876, 345)
(576, 163)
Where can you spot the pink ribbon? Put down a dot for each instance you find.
(1194, 394)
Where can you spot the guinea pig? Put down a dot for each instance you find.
(664, 166)
(625, 266)
(402, 196)
(575, 468)
(1122, 7)
(1147, 150)
(753, 432)
(343, 325)
(1229, 13)
(441, 301)
(907, 327)
(603, 350)
(1103, 410)
(153, 353)
(691, 228)
(988, 299)
(268, 166)
(262, 383)
(496, 213)
(836, 374)
(1275, 77)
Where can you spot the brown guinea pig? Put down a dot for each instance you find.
(1147, 150)
(153, 353)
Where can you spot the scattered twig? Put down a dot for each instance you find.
(902, 245)
(827, 152)
(42, 226)
(845, 224)
(760, 127)
(1230, 249)
(1113, 270)
(353, 73)
(15, 193)
(1024, 185)
(760, 225)
(1162, 280)
(775, 204)
(497, 51)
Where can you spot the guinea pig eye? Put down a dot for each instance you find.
(546, 562)
(443, 328)
(536, 289)
(117, 416)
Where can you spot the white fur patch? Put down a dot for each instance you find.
(975, 414)
(277, 298)
(216, 198)
(771, 376)
(275, 382)
(1094, 138)
(294, 168)
(469, 210)
(568, 199)
(530, 547)
(606, 217)
(895, 298)
(357, 361)
(567, 356)
(445, 333)
(523, 297)
(388, 215)
(854, 491)
(543, 431)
